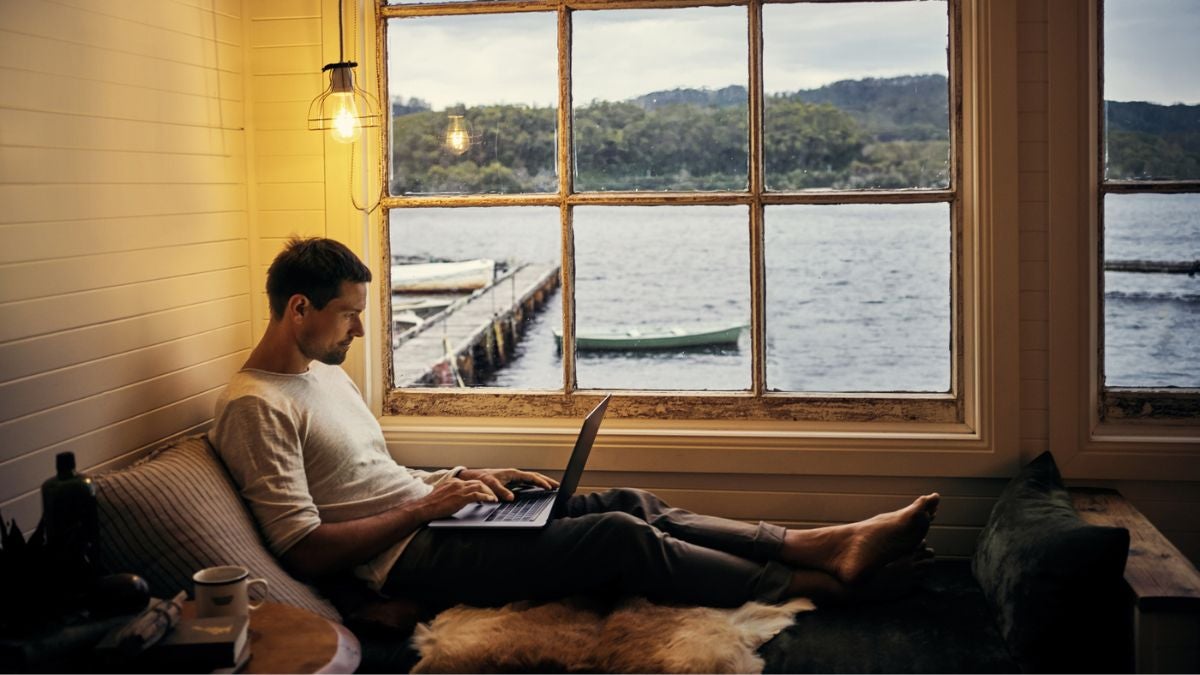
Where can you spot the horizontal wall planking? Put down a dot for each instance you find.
(290, 87)
(26, 473)
(289, 143)
(40, 129)
(825, 507)
(898, 486)
(100, 64)
(284, 224)
(278, 115)
(27, 281)
(54, 20)
(286, 60)
(48, 315)
(40, 203)
(229, 8)
(25, 90)
(302, 196)
(283, 9)
(59, 387)
(179, 17)
(304, 169)
(26, 242)
(1184, 491)
(24, 358)
(285, 32)
(27, 434)
(54, 166)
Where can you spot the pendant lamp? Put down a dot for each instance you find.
(343, 108)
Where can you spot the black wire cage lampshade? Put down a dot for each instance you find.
(343, 108)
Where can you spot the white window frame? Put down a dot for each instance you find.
(1085, 439)
(981, 440)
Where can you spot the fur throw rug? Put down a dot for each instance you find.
(570, 636)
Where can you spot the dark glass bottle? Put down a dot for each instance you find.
(72, 528)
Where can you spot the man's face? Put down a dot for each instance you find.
(325, 334)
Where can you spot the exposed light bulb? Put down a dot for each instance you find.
(345, 118)
(458, 136)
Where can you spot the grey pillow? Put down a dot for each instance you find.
(177, 511)
(1054, 582)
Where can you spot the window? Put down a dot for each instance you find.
(747, 209)
(1149, 210)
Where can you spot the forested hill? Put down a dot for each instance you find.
(889, 133)
(911, 108)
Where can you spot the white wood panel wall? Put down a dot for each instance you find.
(124, 253)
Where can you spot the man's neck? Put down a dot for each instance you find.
(276, 353)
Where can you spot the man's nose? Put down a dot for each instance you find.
(356, 328)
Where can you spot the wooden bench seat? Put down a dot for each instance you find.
(1164, 586)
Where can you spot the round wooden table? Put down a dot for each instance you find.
(286, 639)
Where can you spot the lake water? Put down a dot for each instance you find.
(858, 296)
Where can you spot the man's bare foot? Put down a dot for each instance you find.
(875, 542)
(849, 552)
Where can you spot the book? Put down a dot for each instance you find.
(203, 645)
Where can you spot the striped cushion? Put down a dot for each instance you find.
(176, 512)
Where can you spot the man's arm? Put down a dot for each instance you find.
(334, 547)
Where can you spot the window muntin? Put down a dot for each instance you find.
(574, 199)
(887, 293)
(1149, 211)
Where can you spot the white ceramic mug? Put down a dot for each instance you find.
(225, 591)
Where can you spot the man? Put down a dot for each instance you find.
(312, 463)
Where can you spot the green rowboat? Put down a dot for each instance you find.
(637, 339)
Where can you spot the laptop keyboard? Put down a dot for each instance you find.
(520, 510)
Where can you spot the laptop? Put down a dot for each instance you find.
(533, 508)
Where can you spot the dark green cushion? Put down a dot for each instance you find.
(1054, 582)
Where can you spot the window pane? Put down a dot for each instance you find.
(857, 95)
(473, 102)
(1152, 116)
(524, 245)
(660, 99)
(1151, 318)
(662, 297)
(858, 298)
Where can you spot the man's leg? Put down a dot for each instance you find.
(611, 553)
(847, 552)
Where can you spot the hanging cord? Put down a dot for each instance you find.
(366, 180)
(382, 187)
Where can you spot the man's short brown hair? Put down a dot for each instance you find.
(315, 268)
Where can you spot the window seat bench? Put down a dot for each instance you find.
(1048, 590)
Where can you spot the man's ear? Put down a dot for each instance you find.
(298, 305)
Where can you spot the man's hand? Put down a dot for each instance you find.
(498, 480)
(450, 495)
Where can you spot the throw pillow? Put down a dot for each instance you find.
(176, 512)
(1053, 581)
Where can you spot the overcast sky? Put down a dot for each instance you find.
(488, 59)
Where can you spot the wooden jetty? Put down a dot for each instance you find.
(1188, 267)
(475, 335)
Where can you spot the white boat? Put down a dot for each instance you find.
(465, 275)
